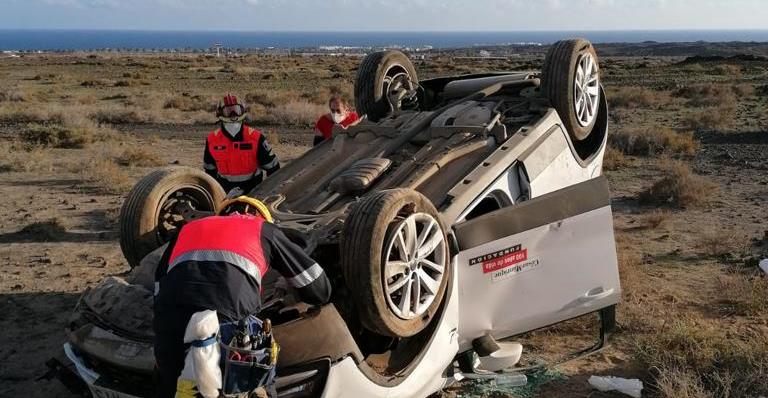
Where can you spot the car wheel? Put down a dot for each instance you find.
(159, 204)
(570, 79)
(395, 261)
(385, 79)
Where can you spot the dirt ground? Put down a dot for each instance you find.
(58, 231)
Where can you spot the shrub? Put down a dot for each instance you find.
(95, 83)
(294, 113)
(260, 98)
(188, 103)
(744, 90)
(651, 141)
(680, 383)
(26, 114)
(138, 157)
(14, 96)
(656, 218)
(636, 97)
(743, 295)
(695, 68)
(711, 119)
(87, 99)
(679, 186)
(710, 359)
(134, 75)
(718, 242)
(26, 158)
(56, 136)
(726, 70)
(118, 116)
(614, 159)
(708, 95)
(107, 176)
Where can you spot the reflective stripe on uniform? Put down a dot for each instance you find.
(305, 278)
(245, 265)
(209, 166)
(237, 178)
(271, 164)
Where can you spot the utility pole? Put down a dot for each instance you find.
(217, 46)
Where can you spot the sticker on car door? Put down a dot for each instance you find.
(506, 263)
(512, 270)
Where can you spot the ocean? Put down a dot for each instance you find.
(22, 40)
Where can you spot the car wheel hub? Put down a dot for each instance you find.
(586, 93)
(414, 265)
(175, 206)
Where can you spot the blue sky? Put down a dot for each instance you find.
(418, 15)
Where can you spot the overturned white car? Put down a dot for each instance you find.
(469, 209)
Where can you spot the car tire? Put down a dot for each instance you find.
(373, 264)
(372, 81)
(141, 229)
(575, 95)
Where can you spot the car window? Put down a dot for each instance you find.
(487, 205)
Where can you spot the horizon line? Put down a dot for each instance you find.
(392, 31)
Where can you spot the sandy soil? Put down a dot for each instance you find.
(46, 264)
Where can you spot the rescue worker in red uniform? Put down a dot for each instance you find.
(237, 155)
(217, 263)
(339, 115)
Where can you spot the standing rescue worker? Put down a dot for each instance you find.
(339, 115)
(217, 263)
(237, 155)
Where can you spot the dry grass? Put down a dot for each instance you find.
(708, 94)
(718, 242)
(138, 157)
(120, 116)
(656, 218)
(271, 99)
(614, 159)
(711, 119)
(744, 90)
(720, 102)
(61, 130)
(680, 383)
(14, 96)
(295, 113)
(637, 97)
(711, 360)
(634, 314)
(107, 176)
(727, 70)
(96, 83)
(744, 295)
(189, 103)
(272, 136)
(15, 114)
(652, 141)
(57, 136)
(679, 186)
(19, 157)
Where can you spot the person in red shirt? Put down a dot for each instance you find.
(339, 115)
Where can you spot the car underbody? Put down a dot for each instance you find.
(485, 193)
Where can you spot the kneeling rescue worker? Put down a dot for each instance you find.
(217, 263)
(237, 155)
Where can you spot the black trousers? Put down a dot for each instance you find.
(170, 349)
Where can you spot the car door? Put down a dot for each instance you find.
(537, 262)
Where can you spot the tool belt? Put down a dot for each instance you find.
(248, 355)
